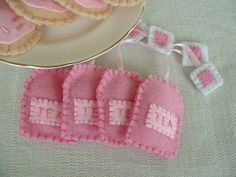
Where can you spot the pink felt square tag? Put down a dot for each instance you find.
(199, 50)
(139, 32)
(161, 40)
(206, 78)
(157, 118)
(80, 121)
(41, 111)
(115, 94)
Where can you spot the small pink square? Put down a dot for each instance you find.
(197, 52)
(157, 119)
(206, 77)
(139, 32)
(135, 32)
(161, 39)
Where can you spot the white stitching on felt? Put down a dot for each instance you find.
(119, 112)
(43, 111)
(218, 79)
(159, 119)
(85, 111)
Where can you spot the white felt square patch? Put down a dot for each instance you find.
(47, 112)
(200, 51)
(120, 112)
(206, 78)
(161, 40)
(85, 111)
(161, 120)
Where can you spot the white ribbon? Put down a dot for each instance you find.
(119, 57)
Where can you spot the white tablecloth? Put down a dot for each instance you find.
(208, 146)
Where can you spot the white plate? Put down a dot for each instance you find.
(80, 41)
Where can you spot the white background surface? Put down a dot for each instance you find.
(208, 146)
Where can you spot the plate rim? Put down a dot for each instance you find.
(3, 60)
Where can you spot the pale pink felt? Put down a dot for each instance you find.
(158, 92)
(12, 27)
(161, 39)
(206, 77)
(197, 52)
(120, 112)
(81, 84)
(50, 5)
(95, 4)
(135, 32)
(139, 32)
(44, 85)
(120, 86)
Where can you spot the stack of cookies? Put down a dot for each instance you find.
(21, 20)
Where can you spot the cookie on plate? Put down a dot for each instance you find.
(17, 35)
(124, 2)
(46, 12)
(97, 9)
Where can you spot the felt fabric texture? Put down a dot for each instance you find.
(121, 86)
(46, 4)
(139, 32)
(42, 87)
(206, 78)
(81, 85)
(159, 93)
(161, 39)
(200, 51)
(91, 3)
(12, 27)
(208, 140)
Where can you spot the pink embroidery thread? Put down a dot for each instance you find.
(43, 111)
(120, 112)
(135, 32)
(197, 51)
(206, 77)
(161, 120)
(161, 39)
(85, 111)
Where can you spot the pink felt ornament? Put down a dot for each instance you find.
(139, 32)
(115, 94)
(80, 108)
(157, 118)
(199, 50)
(41, 111)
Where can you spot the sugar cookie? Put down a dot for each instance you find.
(48, 12)
(17, 35)
(97, 9)
(124, 2)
